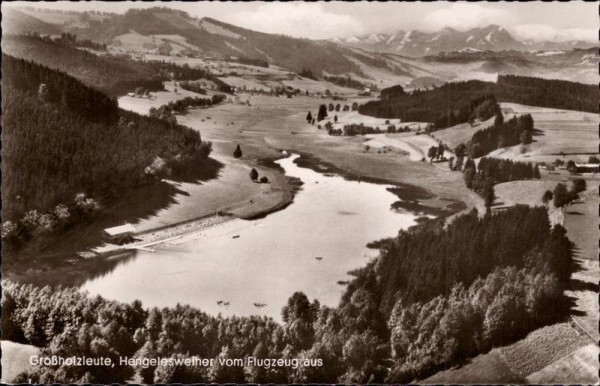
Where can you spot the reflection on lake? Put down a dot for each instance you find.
(273, 257)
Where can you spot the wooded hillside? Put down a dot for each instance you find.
(434, 104)
(436, 296)
(61, 137)
(110, 74)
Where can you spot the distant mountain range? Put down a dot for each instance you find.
(413, 59)
(417, 43)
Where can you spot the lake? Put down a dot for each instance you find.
(265, 261)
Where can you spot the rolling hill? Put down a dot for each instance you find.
(16, 22)
(111, 74)
(450, 55)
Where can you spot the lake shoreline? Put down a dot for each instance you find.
(280, 193)
(413, 198)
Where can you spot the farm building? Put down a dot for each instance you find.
(120, 233)
(586, 168)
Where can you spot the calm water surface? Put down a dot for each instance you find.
(272, 258)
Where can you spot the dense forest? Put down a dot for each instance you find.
(252, 62)
(181, 106)
(193, 87)
(345, 81)
(517, 130)
(433, 104)
(353, 129)
(61, 138)
(559, 94)
(452, 104)
(436, 296)
(491, 171)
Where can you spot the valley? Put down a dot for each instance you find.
(406, 207)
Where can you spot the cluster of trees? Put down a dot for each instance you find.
(482, 108)
(193, 87)
(252, 61)
(356, 129)
(254, 177)
(165, 112)
(449, 105)
(425, 105)
(400, 129)
(185, 72)
(494, 310)
(62, 138)
(501, 134)
(332, 107)
(67, 323)
(308, 73)
(436, 152)
(422, 106)
(345, 81)
(491, 171)
(559, 94)
(34, 222)
(436, 296)
(68, 38)
(392, 92)
(562, 196)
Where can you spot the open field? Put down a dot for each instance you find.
(560, 134)
(538, 349)
(571, 367)
(266, 82)
(462, 133)
(527, 193)
(133, 41)
(15, 359)
(535, 359)
(270, 125)
(159, 98)
(487, 368)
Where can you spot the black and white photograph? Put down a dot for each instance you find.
(200, 192)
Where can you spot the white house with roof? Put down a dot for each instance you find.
(119, 232)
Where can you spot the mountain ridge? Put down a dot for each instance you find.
(417, 43)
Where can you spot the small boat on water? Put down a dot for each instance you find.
(236, 236)
(319, 258)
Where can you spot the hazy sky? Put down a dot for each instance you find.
(532, 20)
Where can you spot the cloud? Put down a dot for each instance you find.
(463, 16)
(538, 32)
(298, 19)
